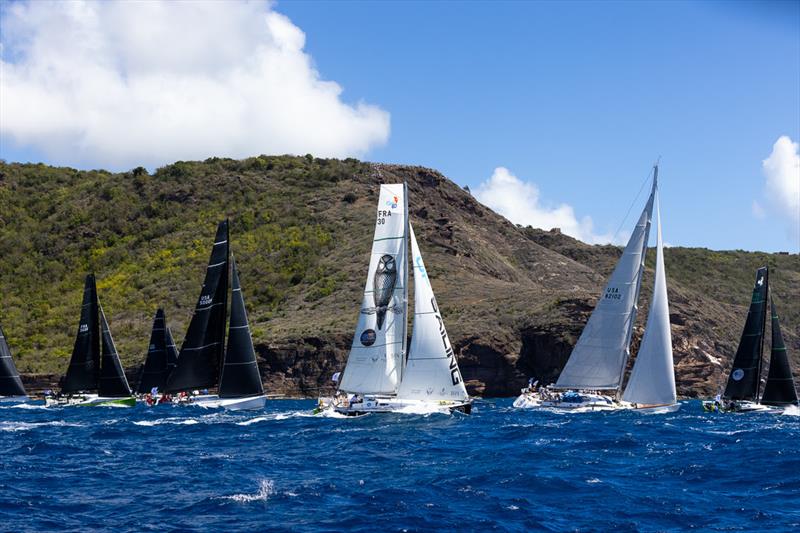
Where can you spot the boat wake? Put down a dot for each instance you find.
(27, 426)
(266, 488)
(424, 409)
(174, 421)
(24, 406)
(792, 410)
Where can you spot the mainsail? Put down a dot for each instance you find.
(155, 371)
(780, 389)
(598, 359)
(10, 382)
(113, 383)
(431, 372)
(201, 353)
(240, 376)
(84, 365)
(652, 380)
(377, 353)
(745, 377)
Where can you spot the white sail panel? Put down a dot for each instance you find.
(432, 371)
(598, 359)
(652, 380)
(374, 365)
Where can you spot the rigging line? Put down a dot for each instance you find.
(625, 218)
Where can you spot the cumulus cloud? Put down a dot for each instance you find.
(120, 84)
(782, 185)
(520, 202)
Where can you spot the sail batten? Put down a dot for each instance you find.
(652, 380)
(431, 372)
(377, 353)
(598, 359)
(199, 362)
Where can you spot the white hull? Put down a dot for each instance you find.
(90, 400)
(569, 401)
(232, 404)
(378, 404)
(739, 406)
(13, 399)
(655, 409)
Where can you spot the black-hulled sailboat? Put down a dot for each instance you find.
(203, 362)
(11, 388)
(162, 357)
(95, 376)
(743, 389)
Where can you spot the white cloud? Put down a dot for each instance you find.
(782, 186)
(520, 202)
(120, 84)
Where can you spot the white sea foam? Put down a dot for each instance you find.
(23, 406)
(176, 421)
(27, 426)
(792, 410)
(266, 488)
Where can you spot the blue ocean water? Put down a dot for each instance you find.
(189, 469)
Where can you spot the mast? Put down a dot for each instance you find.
(406, 244)
(767, 295)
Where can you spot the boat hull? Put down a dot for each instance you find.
(579, 402)
(90, 400)
(397, 405)
(737, 406)
(232, 404)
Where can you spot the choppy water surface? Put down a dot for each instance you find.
(188, 469)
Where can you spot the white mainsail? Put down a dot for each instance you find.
(598, 360)
(431, 372)
(652, 380)
(375, 363)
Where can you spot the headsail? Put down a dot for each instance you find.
(113, 383)
(780, 389)
(84, 365)
(432, 371)
(378, 349)
(201, 353)
(599, 357)
(240, 376)
(10, 382)
(652, 380)
(172, 351)
(154, 373)
(745, 377)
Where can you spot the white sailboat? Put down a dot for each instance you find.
(378, 376)
(593, 376)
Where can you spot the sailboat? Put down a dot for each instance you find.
(11, 388)
(381, 375)
(744, 382)
(203, 362)
(593, 376)
(95, 376)
(162, 357)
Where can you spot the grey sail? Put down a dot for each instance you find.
(113, 383)
(10, 382)
(598, 360)
(84, 365)
(240, 376)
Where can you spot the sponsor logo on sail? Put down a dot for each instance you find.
(393, 202)
(738, 374)
(368, 337)
(84, 328)
(455, 375)
(205, 299)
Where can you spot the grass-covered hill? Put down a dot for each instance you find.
(514, 299)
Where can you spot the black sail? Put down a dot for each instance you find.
(201, 352)
(744, 380)
(84, 365)
(10, 382)
(240, 376)
(113, 383)
(155, 369)
(779, 389)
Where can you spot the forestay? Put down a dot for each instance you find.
(598, 359)
(432, 371)
(10, 382)
(375, 363)
(652, 381)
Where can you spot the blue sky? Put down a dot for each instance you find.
(576, 100)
